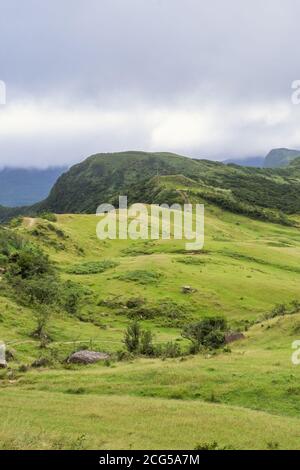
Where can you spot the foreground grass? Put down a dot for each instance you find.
(256, 374)
(54, 421)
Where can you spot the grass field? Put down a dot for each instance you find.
(246, 397)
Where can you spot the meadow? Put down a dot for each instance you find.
(245, 396)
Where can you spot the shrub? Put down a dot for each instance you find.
(93, 267)
(16, 222)
(29, 261)
(146, 344)
(48, 216)
(165, 309)
(138, 341)
(281, 310)
(168, 350)
(71, 297)
(44, 290)
(211, 446)
(191, 260)
(132, 337)
(42, 315)
(208, 333)
(123, 355)
(141, 276)
(135, 302)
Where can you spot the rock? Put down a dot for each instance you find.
(3, 364)
(87, 357)
(10, 355)
(231, 337)
(188, 290)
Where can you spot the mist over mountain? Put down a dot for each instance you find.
(250, 161)
(278, 158)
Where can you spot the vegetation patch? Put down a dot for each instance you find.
(141, 276)
(191, 260)
(281, 310)
(208, 333)
(92, 267)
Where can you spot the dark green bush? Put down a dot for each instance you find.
(93, 267)
(146, 344)
(141, 276)
(207, 333)
(48, 216)
(168, 350)
(132, 337)
(29, 261)
(71, 297)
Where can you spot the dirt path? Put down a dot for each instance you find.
(29, 222)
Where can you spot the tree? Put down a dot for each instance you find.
(132, 337)
(208, 333)
(146, 344)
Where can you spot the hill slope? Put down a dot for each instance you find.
(259, 193)
(103, 177)
(244, 397)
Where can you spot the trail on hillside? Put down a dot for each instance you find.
(29, 222)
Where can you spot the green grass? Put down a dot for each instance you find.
(246, 398)
(121, 422)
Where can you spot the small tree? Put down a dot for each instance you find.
(42, 314)
(71, 297)
(28, 262)
(138, 341)
(132, 337)
(146, 343)
(208, 333)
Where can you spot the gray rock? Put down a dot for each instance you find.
(10, 355)
(87, 357)
(231, 337)
(3, 364)
(188, 290)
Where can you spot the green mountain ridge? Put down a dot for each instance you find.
(101, 178)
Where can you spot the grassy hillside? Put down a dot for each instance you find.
(267, 194)
(245, 396)
(101, 178)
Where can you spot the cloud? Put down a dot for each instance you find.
(207, 79)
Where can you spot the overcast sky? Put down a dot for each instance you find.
(203, 78)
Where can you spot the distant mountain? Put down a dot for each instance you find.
(261, 193)
(250, 161)
(102, 178)
(279, 158)
(22, 187)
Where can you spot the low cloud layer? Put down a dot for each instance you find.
(205, 79)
